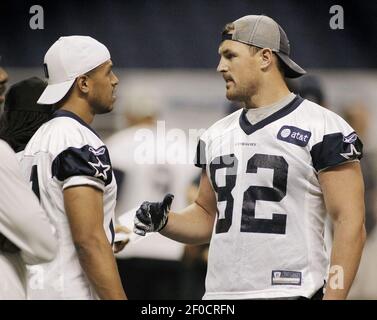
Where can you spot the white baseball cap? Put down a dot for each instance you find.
(68, 58)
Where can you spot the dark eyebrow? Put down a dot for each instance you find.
(225, 52)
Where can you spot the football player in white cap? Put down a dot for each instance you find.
(70, 171)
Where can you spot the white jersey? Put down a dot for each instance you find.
(268, 235)
(22, 222)
(66, 152)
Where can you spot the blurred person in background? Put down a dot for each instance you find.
(3, 82)
(22, 115)
(26, 235)
(308, 87)
(141, 167)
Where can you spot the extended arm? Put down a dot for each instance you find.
(343, 191)
(192, 225)
(84, 208)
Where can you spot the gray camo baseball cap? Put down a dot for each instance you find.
(263, 32)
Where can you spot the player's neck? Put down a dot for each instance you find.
(268, 94)
(80, 108)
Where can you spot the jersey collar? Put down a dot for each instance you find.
(69, 114)
(249, 128)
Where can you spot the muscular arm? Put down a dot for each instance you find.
(194, 224)
(343, 191)
(84, 208)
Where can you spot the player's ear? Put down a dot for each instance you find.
(266, 57)
(82, 83)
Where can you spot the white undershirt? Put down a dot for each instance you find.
(254, 115)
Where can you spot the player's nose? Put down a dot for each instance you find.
(115, 80)
(221, 67)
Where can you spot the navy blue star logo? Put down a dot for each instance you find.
(351, 154)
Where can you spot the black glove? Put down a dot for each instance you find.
(152, 216)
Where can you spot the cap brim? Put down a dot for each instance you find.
(55, 92)
(291, 68)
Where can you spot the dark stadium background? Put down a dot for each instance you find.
(185, 34)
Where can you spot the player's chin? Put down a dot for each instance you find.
(109, 108)
(111, 102)
(231, 95)
(105, 108)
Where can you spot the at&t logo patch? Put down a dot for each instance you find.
(294, 135)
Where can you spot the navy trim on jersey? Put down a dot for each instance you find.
(69, 114)
(334, 149)
(249, 128)
(84, 161)
(111, 226)
(120, 177)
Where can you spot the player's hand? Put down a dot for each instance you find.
(121, 238)
(152, 216)
(7, 246)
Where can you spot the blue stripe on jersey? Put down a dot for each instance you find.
(335, 149)
(84, 161)
(69, 114)
(111, 226)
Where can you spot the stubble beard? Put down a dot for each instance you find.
(99, 107)
(240, 95)
(101, 104)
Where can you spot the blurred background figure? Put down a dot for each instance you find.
(151, 268)
(21, 118)
(22, 115)
(26, 236)
(309, 87)
(3, 81)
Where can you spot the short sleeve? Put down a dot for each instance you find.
(339, 143)
(83, 166)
